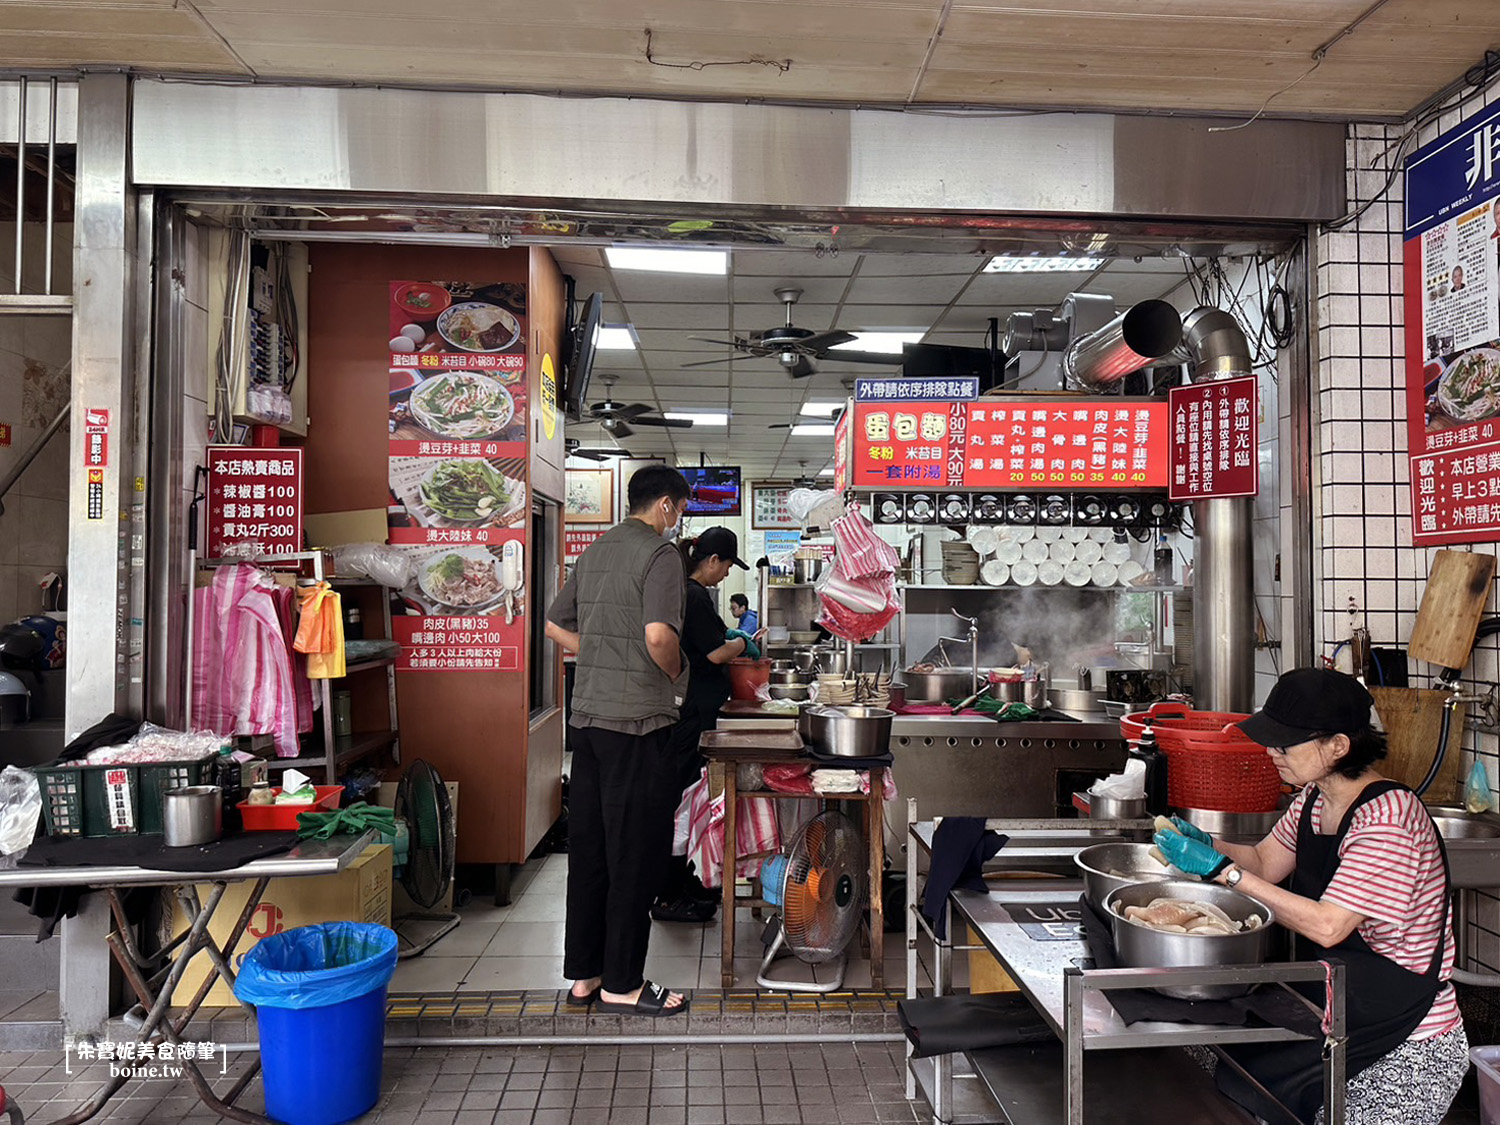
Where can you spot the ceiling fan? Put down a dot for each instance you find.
(575, 448)
(794, 348)
(620, 420)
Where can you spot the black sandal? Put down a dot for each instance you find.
(652, 1002)
(582, 1001)
(683, 910)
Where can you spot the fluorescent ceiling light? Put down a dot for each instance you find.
(821, 409)
(698, 417)
(813, 429)
(617, 337)
(828, 472)
(885, 341)
(1039, 264)
(711, 262)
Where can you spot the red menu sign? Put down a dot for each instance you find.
(254, 495)
(1012, 444)
(576, 540)
(841, 452)
(1215, 432)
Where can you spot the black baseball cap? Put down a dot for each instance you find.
(722, 542)
(1307, 702)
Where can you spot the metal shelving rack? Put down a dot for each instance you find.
(338, 751)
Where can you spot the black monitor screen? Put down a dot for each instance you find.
(716, 491)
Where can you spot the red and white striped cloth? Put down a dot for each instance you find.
(861, 553)
(755, 830)
(243, 678)
(1391, 872)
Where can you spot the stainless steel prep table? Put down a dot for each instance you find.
(1050, 1083)
(154, 976)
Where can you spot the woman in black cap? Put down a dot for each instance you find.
(707, 645)
(1369, 888)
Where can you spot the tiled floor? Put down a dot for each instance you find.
(761, 1085)
(520, 946)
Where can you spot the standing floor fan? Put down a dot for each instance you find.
(818, 885)
(423, 807)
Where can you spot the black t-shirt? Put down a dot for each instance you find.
(702, 632)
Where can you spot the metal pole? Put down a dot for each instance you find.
(20, 178)
(51, 180)
(1223, 607)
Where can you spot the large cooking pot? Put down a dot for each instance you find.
(938, 686)
(1140, 947)
(852, 732)
(1107, 867)
(833, 662)
(805, 570)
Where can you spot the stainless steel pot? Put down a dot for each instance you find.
(1008, 691)
(1034, 693)
(1107, 867)
(833, 662)
(795, 692)
(805, 660)
(1140, 947)
(1116, 808)
(852, 732)
(192, 815)
(938, 686)
(785, 678)
(896, 699)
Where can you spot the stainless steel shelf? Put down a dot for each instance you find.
(366, 665)
(1040, 586)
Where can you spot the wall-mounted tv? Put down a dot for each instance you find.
(716, 490)
(583, 343)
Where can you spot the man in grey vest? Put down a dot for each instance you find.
(621, 613)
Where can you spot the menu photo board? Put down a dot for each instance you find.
(459, 499)
(1019, 443)
(1451, 265)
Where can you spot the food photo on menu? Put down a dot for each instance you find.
(457, 361)
(1464, 389)
(458, 492)
(468, 580)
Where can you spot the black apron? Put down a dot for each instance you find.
(1384, 1003)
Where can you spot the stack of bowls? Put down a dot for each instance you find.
(960, 564)
(835, 690)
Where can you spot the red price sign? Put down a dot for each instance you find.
(1018, 444)
(254, 495)
(576, 540)
(456, 644)
(1215, 435)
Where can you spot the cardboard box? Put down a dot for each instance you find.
(359, 893)
(403, 905)
(985, 973)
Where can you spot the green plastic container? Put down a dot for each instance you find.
(113, 800)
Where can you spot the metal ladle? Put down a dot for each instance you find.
(972, 640)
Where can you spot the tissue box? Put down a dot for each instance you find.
(283, 818)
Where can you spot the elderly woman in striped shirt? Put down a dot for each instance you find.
(1357, 871)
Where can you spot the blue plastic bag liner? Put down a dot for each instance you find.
(318, 966)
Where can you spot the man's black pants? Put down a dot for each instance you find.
(619, 834)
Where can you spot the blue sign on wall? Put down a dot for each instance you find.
(1453, 173)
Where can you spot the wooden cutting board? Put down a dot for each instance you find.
(1452, 603)
(1412, 718)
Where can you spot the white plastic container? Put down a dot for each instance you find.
(1487, 1069)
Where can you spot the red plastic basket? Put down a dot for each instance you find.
(1210, 764)
(283, 818)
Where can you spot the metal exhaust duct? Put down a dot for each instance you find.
(1223, 597)
(1137, 338)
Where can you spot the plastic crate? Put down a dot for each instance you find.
(283, 818)
(112, 800)
(1211, 764)
(1487, 1068)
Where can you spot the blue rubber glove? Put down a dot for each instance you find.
(1192, 831)
(752, 650)
(1189, 855)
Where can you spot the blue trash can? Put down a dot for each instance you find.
(319, 993)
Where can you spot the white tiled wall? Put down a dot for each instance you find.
(33, 388)
(1364, 536)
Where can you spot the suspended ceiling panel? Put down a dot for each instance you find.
(1192, 55)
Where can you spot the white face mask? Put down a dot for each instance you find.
(669, 532)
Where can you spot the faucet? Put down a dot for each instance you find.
(972, 640)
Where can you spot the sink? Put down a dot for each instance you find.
(1473, 844)
(1465, 828)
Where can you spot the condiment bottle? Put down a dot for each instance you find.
(260, 794)
(1155, 761)
(354, 626)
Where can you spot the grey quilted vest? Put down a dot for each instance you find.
(616, 677)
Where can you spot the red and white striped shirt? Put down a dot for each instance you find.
(1391, 872)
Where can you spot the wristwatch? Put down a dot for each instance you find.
(1233, 874)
